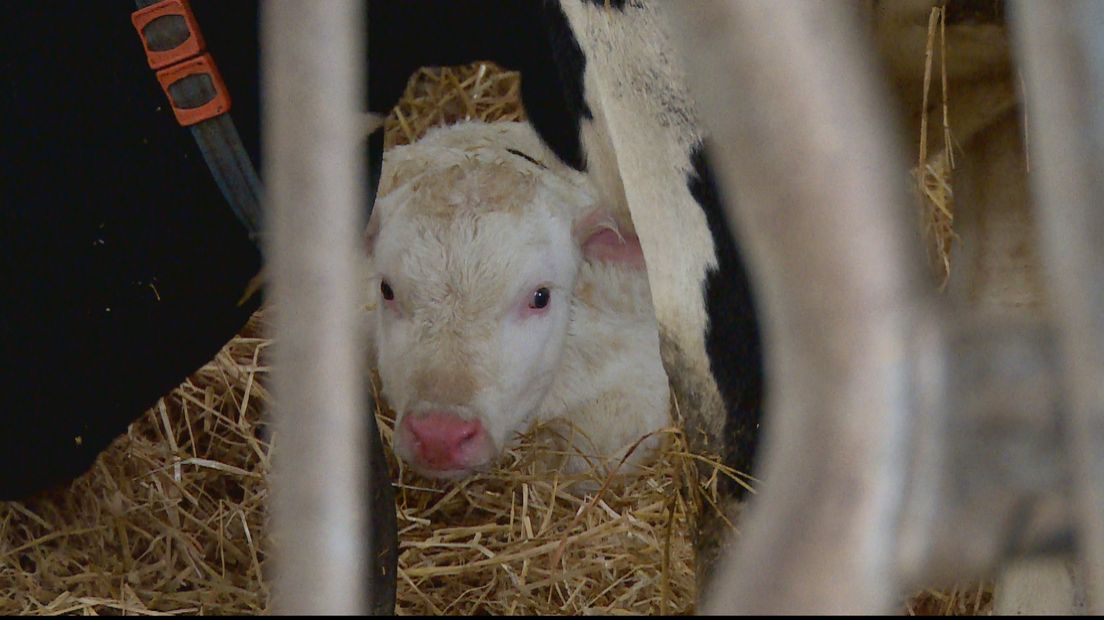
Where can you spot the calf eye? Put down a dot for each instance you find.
(385, 288)
(541, 297)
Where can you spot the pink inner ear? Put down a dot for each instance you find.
(605, 245)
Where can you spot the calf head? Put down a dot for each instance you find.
(473, 261)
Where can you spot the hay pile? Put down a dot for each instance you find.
(172, 516)
(443, 96)
(934, 169)
(960, 600)
(173, 519)
(516, 541)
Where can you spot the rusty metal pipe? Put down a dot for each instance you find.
(312, 72)
(1061, 49)
(801, 137)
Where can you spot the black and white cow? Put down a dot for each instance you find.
(120, 263)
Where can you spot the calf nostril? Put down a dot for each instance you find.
(469, 433)
(441, 432)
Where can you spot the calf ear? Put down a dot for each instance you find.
(602, 240)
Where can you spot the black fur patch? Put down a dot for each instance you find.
(975, 12)
(557, 107)
(613, 4)
(531, 37)
(121, 263)
(375, 168)
(404, 36)
(733, 341)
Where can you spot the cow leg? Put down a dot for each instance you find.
(645, 152)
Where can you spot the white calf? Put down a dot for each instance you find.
(504, 294)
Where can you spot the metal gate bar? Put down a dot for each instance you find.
(806, 157)
(1061, 49)
(312, 76)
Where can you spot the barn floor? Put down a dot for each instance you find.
(173, 519)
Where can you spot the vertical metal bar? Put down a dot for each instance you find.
(1061, 48)
(803, 145)
(312, 73)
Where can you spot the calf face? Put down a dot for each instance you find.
(474, 256)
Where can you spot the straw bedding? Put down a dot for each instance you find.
(934, 168)
(516, 540)
(172, 518)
